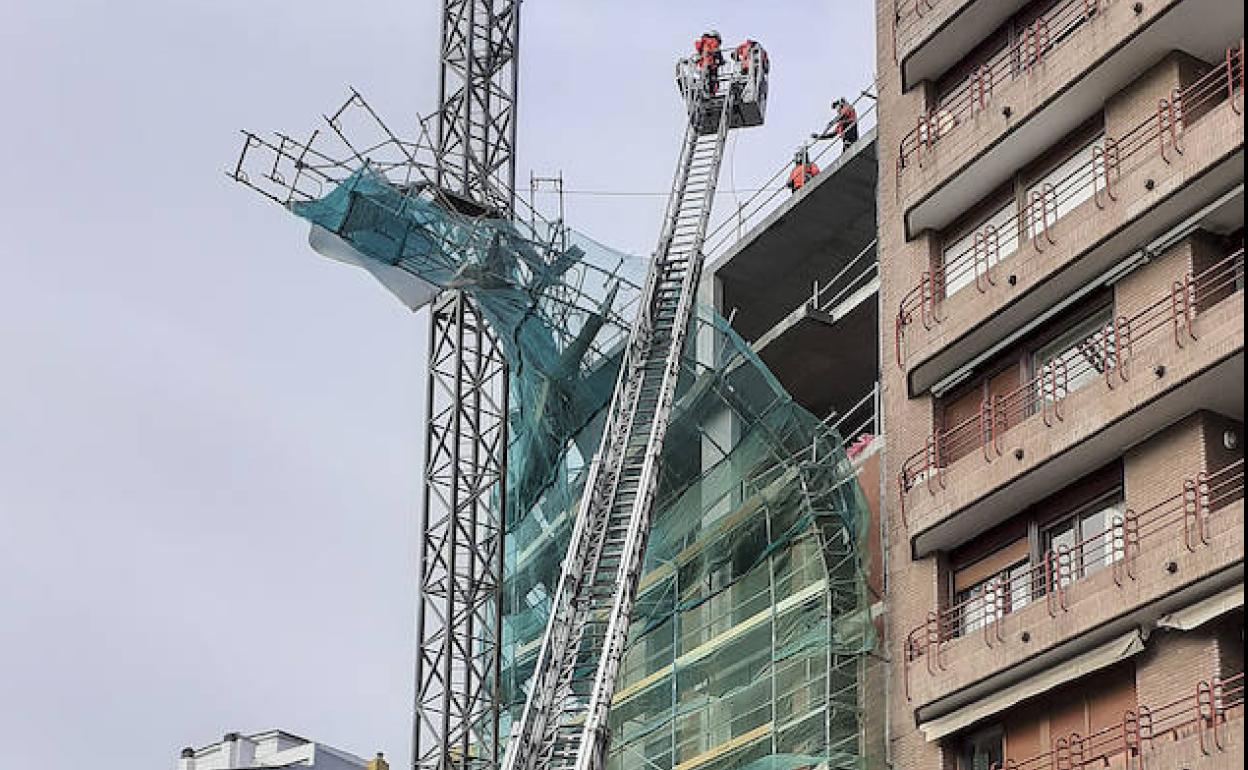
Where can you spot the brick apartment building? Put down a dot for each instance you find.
(1061, 219)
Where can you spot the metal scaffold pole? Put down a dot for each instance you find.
(459, 625)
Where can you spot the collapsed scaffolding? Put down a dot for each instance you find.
(748, 637)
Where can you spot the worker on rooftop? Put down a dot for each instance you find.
(803, 169)
(844, 124)
(710, 59)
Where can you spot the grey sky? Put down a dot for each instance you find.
(209, 437)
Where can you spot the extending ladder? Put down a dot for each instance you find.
(564, 723)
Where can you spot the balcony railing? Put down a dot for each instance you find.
(1160, 133)
(1105, 353)
(974, 95)
(859, 424)
(1203, 712)
(858, 274)
(773, 192)
(1118, 547)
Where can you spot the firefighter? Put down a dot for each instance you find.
(710, 59)
(844, 123)
(803, 170)
(742, 56)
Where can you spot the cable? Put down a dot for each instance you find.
(646, 194)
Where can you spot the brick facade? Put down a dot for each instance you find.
(1175, 464)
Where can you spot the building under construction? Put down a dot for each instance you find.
(643, 546)
(662, 526)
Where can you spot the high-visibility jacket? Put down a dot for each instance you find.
(800, 173)
(847, 116)
(743, 55)
(707, 49)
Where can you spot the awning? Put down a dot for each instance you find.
(1200, 613)
(1096, 659)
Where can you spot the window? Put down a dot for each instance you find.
(1087, 540)
(993, 598)
(983, 749)
(997, 238)
(1074, 358)
(1065, 187)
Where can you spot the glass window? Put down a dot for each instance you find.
(1064, 188)
(1077, 357)
(998, 236)
(1087, 541)
(983, 749)
(994, 597)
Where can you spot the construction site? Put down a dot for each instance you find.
(798, 490)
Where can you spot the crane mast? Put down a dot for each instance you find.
(459, 594)
(564, 724)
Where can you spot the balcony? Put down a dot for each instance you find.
(824, 352)
(765, 256)
(1181, 353)
(1023, 102)
(802, 284)
(931, 36)
(1132, 189)
(1144, 564)
(1198, 730)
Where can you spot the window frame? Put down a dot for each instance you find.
(971, 742)
(963, 598)
(1009, 238)
(1032, 224)
(1063, 338)
(1076, 518)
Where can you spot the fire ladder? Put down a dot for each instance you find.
(564, 723)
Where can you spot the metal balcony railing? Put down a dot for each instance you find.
(974, 95)
(1161, 132)
(1118, 547)
(858, 424)
(857, 274)
(1203, 712)
(768, 197)
(1105, 353)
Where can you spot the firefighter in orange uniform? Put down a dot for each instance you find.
(844, 123)
(803, 170)
(710, 59)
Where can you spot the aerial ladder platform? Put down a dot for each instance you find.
(564, 722)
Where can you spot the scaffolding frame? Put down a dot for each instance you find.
(456, 709)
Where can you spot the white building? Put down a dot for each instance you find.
(270, 750)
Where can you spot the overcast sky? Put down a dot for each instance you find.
(210, 437)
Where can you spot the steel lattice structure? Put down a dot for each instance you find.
(461, 561)
(461, 567)
(477, 100)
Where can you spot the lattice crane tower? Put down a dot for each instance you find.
(461, 561)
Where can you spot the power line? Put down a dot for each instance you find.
(641, 193)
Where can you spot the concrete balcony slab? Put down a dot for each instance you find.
(1058, 95)
(1166, 383)
(1088, 242)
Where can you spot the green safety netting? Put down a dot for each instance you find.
(746, 649)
